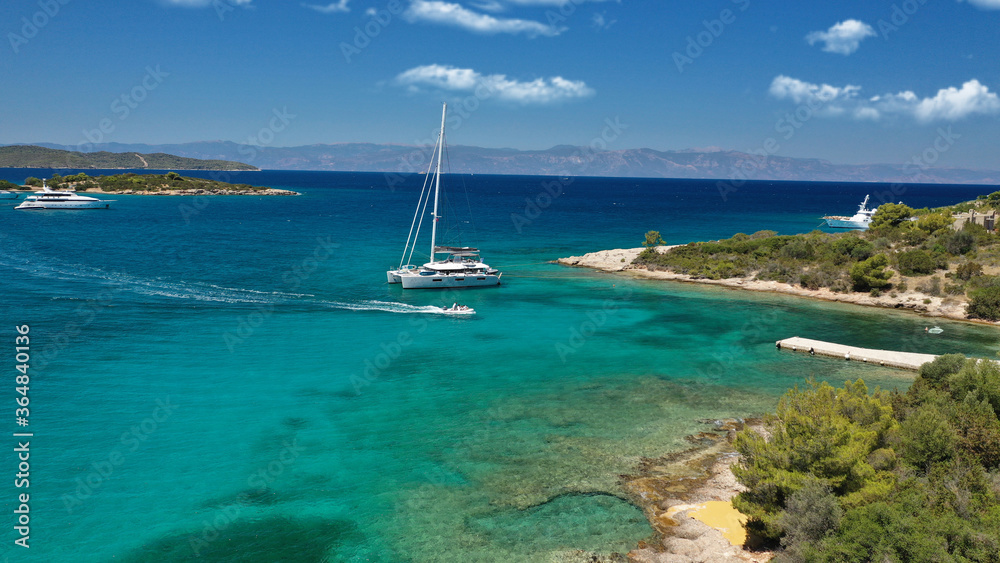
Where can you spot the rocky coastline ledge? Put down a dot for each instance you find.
(194, 191)
(676, 490)
(620, 261)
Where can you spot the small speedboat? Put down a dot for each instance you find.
(457, 309)
(4, 194)
(935, 330)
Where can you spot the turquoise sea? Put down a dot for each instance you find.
(231, 379)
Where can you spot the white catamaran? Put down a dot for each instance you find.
(462, 268)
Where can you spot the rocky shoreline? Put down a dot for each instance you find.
(184, 192)
(620, 261)
(671, 488)
(195, 192)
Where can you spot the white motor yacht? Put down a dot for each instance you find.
(859, 220)
(56, 199)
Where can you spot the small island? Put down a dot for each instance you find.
(32, 156)
(939, 262)
(130, 183)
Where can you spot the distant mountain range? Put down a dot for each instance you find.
(561, 160)
(34, 156)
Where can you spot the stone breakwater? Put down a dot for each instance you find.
(620, 261)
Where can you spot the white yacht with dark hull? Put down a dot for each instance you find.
(54, 199)
(462, 268)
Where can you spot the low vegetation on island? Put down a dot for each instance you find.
(156, 184)
(31, 156)
(904, 249)
(848, 476)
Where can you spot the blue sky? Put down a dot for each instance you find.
(849, 81)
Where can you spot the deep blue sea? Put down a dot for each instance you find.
(231, 379)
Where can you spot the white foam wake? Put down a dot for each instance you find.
(386, 306)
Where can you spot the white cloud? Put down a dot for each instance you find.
(331, 8)
(449, 78)
(804, 92)
(446, 13)
(949, 104)
(843, 38)
(489, 6)
(985, 4)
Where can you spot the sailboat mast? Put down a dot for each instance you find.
(437, 184)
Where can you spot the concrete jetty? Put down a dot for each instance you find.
(902, 360)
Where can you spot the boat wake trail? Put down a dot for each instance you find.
(193, 291)
(386, 306)
(157, 287)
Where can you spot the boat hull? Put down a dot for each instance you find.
(448, 281)
(65, 205)
(837, 223)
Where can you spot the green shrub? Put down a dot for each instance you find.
(958, 242)
(824, 435)
(810, 514)
(984, 303)
(914, 262)
(954, 288)
(968, 270)
(653, 238)
(927, 438)
(891, 215)
(937, 371)
(934, 222)
(871, 273)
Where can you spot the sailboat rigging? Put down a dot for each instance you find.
(463, 267)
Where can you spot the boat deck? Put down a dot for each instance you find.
(902, 360)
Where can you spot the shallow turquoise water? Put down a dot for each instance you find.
(235, 381)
